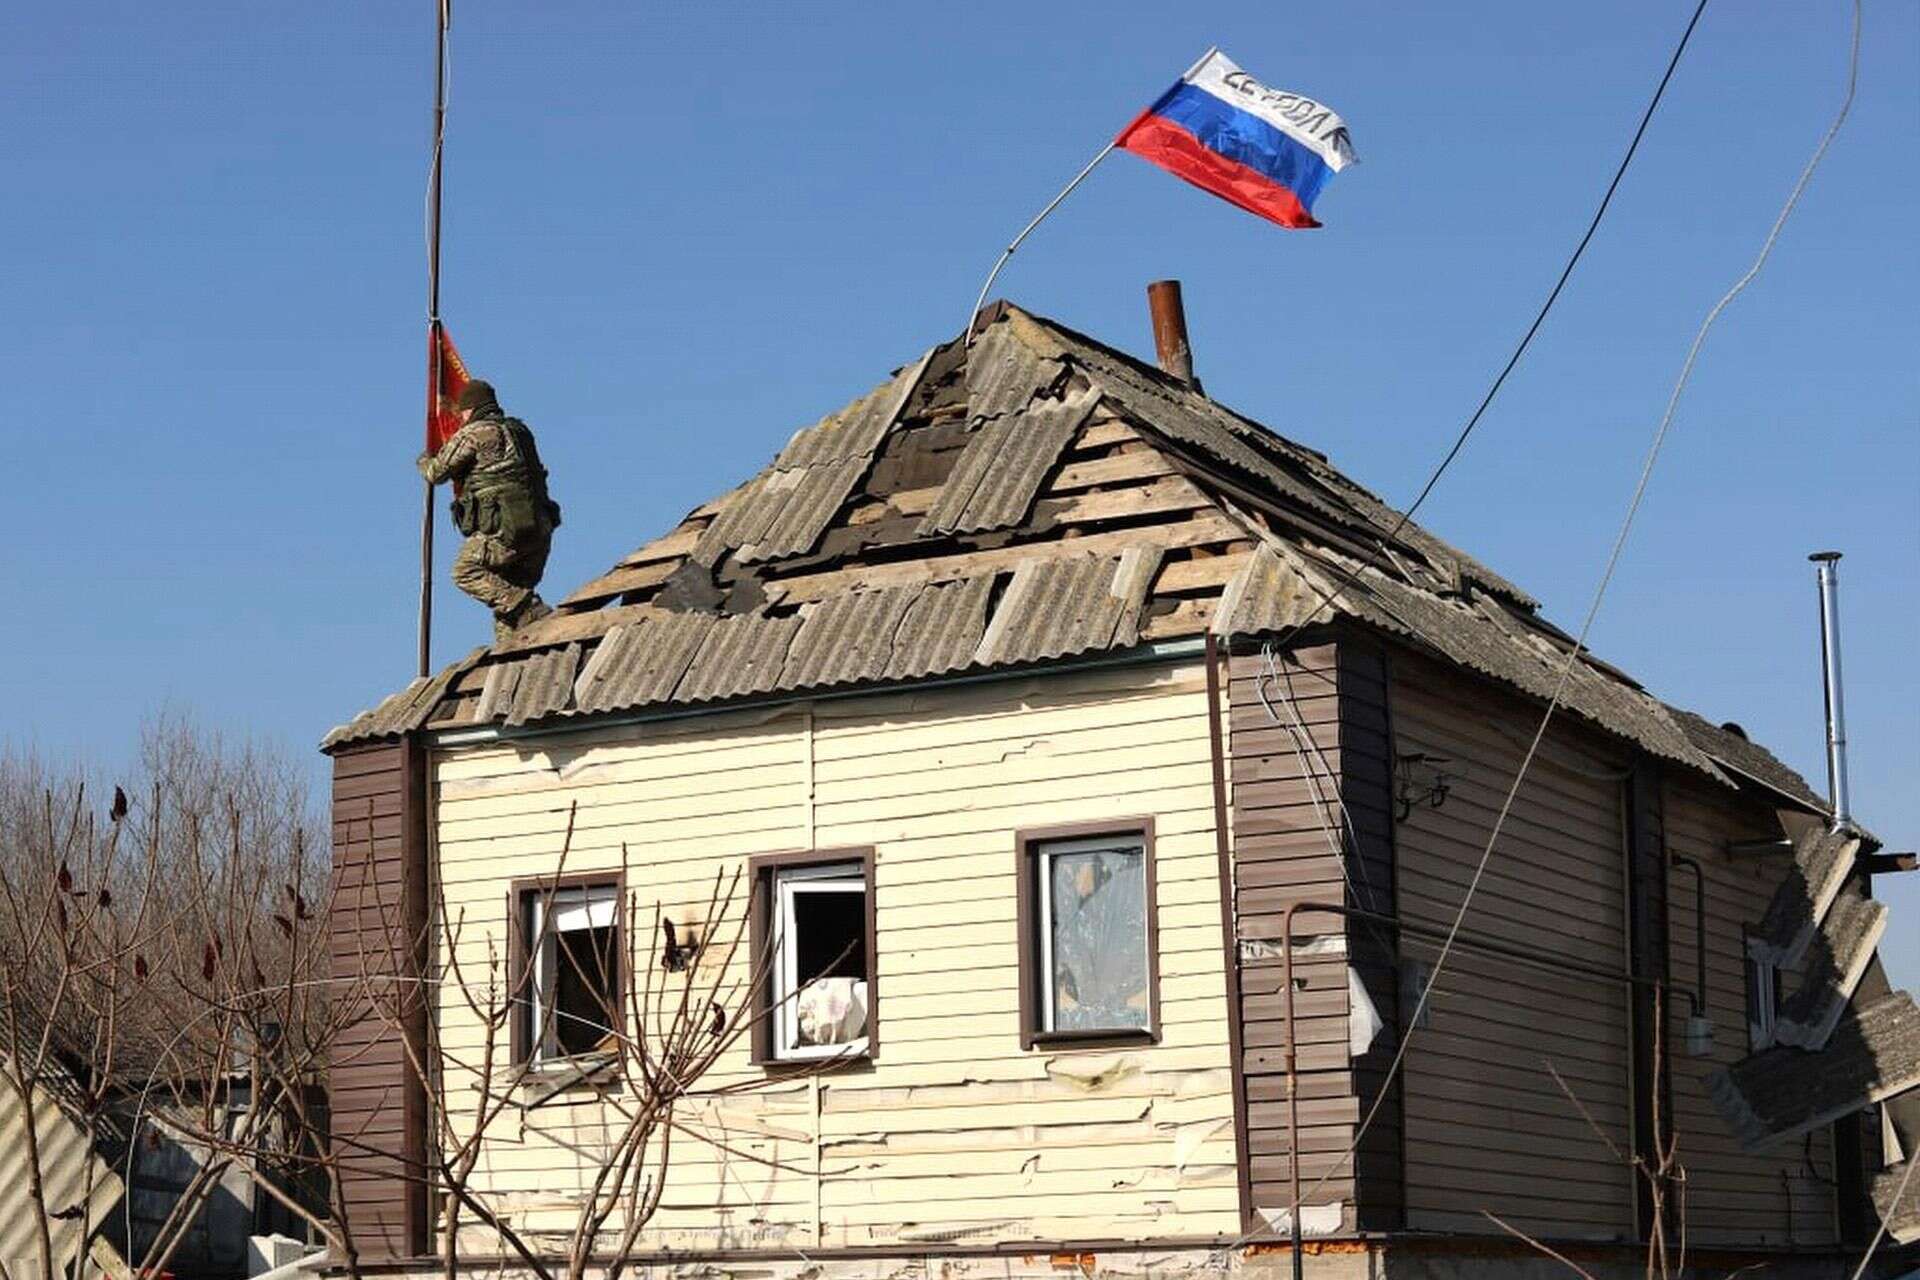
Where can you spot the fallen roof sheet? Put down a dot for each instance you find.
(1782, 1093)
(1822, 860)
(1896, 1198)
(1842, 948)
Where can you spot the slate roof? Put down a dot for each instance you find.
(1035, 497)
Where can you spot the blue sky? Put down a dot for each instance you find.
(673, 237)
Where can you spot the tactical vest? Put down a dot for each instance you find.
(507, 497)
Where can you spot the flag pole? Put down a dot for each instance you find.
(443, 15)
(1026, 231)
(1078, 178)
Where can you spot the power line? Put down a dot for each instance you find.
(1526, 339)
(1600, 590)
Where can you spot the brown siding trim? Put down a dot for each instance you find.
(1027, 935)
(418, 914)
(378, 927)
(1364, 682)
(1648, 940)
(519, 969)
(1229, 936)
(760, 869)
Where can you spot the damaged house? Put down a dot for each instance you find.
(1008, 692)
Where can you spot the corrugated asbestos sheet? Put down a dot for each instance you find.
(1822, 860)
(404, 711)
(941, 629)
(640, 662)
(1003, 466)
(1053, 608)
(846, 638)
(1902, 1215)
(1268, 594)
(545, 684)
(741, 655)
(1737, 752)
(1300, 473)
(1783, 1093)
(1279, 588)
(1843, 946)
(784, 510)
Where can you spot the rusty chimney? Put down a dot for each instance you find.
(1170, 330)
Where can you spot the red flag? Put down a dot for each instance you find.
(446, 377)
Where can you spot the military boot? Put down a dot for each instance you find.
(531, 609)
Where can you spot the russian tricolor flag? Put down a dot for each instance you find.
(1266, 150)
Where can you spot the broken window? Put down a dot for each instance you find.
(573, 986)
(1763, 1000)
(819, 956)
(1092, 962)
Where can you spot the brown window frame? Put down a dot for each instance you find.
(1027, 842)
(761, 869)
(519, 974)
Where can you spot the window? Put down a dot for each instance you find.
(1763, 1000)
(568, 958)
(813, 939)
(1088, 938)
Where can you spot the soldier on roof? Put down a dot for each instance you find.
(500, 503)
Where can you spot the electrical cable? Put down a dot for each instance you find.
(1526, 340)
(1599, 596)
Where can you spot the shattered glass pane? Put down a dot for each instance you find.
(1099, 903)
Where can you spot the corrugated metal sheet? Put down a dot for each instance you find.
(1782, 1093)
(65, 1157)
(1053, 608)
(740, 655)
(545, 685)
(641, 662)
(1004, 465)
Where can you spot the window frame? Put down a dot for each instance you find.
(1032, 936)
(521, 900)
(765, 874)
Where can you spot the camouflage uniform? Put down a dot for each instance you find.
(503, 509)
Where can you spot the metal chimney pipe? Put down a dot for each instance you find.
(1170, 330)
(1827, 563)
